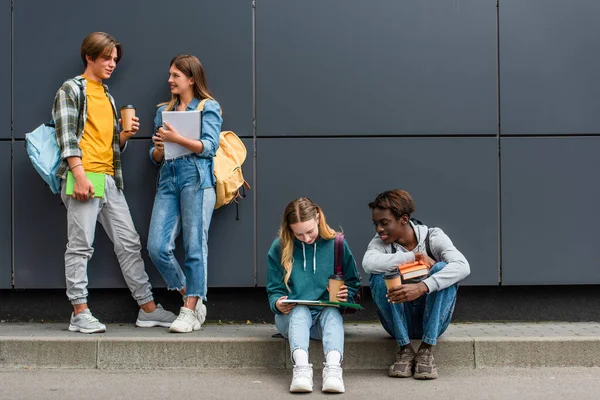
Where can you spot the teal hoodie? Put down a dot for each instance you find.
(313, 264)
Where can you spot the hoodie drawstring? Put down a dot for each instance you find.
(314, 257)
(304, 255)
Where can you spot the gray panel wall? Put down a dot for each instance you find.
(148, 47)
(5, 70)
(231, 241)
(550, 213)
(350, 67)
(5, 216)
(34, 202)
(457, 193)
(346, 69)
(39, 256)
(549, 66)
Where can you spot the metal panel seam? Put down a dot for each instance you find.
(254, 163)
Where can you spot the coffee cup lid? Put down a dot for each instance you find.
(391, 275)
(127, 106)
(337, 277)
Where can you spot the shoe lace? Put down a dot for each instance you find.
(89, 317)
(425, 357)
(186, 316)
(332, 371)
(405, 355)
(303, 371)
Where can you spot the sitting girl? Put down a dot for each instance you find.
(300, 262)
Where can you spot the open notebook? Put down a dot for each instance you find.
(320, 303)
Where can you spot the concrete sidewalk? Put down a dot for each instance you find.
(367, 346)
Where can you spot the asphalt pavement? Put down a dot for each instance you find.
(263, 384)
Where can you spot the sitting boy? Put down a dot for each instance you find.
(420, 309)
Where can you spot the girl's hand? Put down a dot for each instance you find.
(159, 145)
(342, 295)
(285, 308)
(167, 133)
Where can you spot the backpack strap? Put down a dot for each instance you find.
(338, 259)
(416, 221)
(202, 103)
(427, 247)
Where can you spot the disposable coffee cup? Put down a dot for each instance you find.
(392, 279)
(127, 114)
(335, 283)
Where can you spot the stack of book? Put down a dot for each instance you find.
(413, 270)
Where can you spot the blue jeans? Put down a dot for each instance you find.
(181, 204)
(425, 318)
(303, 324)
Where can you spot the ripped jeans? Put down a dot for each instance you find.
(182, 204)
(425, 318)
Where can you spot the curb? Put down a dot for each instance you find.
(240, 346)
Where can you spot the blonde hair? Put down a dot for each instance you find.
(300, 210)
(191, 67)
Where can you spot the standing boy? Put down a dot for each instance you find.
(90, 141)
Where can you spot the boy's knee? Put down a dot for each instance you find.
(376, 283)
(437, 267)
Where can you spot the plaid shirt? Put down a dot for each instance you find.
(70, 113)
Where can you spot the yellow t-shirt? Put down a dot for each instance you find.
(96, 143)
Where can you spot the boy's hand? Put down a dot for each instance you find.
(135, 126)
(83, 190)
(406, 292)
(424, 259)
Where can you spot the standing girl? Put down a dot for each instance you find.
(185, 197)
(300, 262)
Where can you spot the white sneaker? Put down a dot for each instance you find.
(332, 379)
(200, 310)
(302, 379)
(186, 322)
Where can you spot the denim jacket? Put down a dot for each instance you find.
(209, 136)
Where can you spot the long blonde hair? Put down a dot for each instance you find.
(300, 210)
(191, 67)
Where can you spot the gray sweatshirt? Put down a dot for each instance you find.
(379, 258)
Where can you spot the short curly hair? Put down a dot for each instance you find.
(397, 201)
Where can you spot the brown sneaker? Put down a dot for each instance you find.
(405, 359)
(425, 365)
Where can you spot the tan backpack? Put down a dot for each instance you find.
(228, 166)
